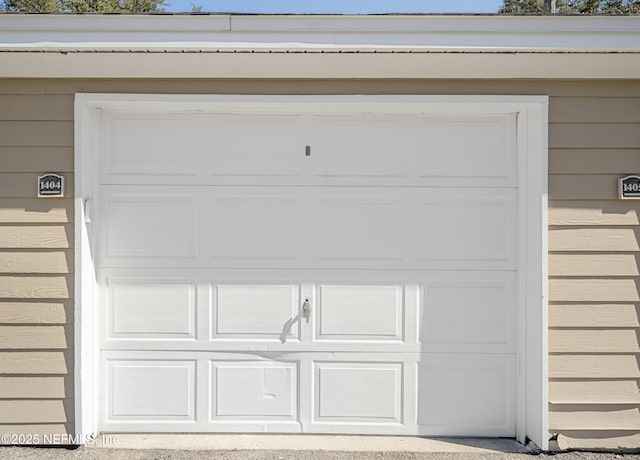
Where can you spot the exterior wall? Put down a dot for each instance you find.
(594, 137)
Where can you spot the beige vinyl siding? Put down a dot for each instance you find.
(594, 312)
(594, 260)
(36, 266)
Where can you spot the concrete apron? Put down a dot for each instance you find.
(307, 442)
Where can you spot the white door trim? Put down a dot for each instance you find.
(532, 350)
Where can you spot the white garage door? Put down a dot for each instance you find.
(308, 267)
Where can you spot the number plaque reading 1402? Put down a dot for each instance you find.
(629, 188)
(50, 185)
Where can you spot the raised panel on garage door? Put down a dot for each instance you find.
(160, 308)
(467, 151)
(156, 146)
(243, 145)
(345, 391)
(150, 225)
(467, 395)
(352, 312)
(358, 145)
(254, 390)
(151, 390)
(255, 311)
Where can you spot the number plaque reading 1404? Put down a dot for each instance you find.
(629, 188)
(50, 185)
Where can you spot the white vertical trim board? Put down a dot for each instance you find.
(86, 352)
(531, 195)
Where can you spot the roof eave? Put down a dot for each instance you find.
(240, 46)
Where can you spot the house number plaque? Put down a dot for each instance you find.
(50, 185)
(629, 188)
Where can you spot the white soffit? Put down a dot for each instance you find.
(610, 44)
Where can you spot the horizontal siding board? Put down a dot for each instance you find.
(36, 236)
(35, 387)
(603, 366)
(34, 362)
(594, 135)
(36, 287)
(599, 264)
(35, 210)
(587, 417)
(35, 337)
(594, 392)
(593, 341)
(36, 159)
(594, 213)
(594, 315)
(593, 161)
(27, 312)
(595, 239)
(39, 411)
(589, 439)
(594, 110)
(39, 261)
(36, 107)
(583, 187)
(39, 429)
(593, 290)
(36, 133)
(25, 185)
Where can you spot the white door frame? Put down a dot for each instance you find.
(532, 327)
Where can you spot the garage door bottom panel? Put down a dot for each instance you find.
(453, 394)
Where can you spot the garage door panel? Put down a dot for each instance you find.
(151, 226)
(310, 227)
(358, 145)
(432, 311)
(256, 312)
(243, 145)
(254, 390)
(152, 390)
(467, 395)
(257, 227)
(355, 392)
(383, 150)
(159, 308)
(351, 228)
(156, 145)
(458, 394)
(468, 228)
(468, 312)
(347, 312)
(466, 151)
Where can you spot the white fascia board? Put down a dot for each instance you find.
(318, 32)
(319, 65)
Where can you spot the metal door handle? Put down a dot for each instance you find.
(306, 309)
(88, 210)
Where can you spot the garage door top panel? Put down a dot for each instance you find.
(463, 150)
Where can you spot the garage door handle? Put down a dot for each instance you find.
(306, 309)
(88, 210)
